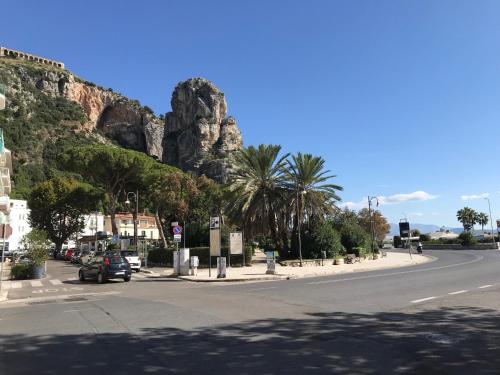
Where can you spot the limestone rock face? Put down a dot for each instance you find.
(198, 135)
(119, 118)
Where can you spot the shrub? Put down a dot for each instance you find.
(425, 237)
(467, 239)
(165, 257)
(325, 238)
(38, 246)
(353, 236)
(20, 271)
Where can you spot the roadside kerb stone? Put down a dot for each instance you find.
(257, 271)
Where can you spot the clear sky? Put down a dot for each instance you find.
(401, 98)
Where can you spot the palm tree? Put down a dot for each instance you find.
(312, 195)
(468, 217)
(482, 219)
(256, 185)
(307, 176)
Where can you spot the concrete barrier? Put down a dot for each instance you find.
(481, 246)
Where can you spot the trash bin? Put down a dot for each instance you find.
(195, 262)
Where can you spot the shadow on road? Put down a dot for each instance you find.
(461, 340)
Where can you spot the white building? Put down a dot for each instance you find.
(18, 220)
(94, 222)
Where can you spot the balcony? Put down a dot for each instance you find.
(5, 186)
(4, 204)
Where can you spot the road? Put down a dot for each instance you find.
(438, 317)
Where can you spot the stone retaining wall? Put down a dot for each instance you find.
(482, 246)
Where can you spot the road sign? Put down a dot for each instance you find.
(404, 229)
(174, 224)
(236, 243)
(177, 230)
(215, 222)
(177, 237)
(215, 242)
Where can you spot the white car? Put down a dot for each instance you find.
(133, 259)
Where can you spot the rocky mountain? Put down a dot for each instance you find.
(48, 106)
(198, 134)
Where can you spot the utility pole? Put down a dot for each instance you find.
(371, 222)
(491, 222)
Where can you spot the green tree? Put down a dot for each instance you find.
(326, 238)
(256, 187)
(37, 245)
(311, 195)
(380, 225)
(113, 169)
(58, 207)
(482, 219)
(468, 217)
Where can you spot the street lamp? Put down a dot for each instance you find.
(491, 221)
(371, 221)
(303, 192)
(135, 215)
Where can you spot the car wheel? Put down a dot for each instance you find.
(100, 278)
(81, 276)
(127, 278)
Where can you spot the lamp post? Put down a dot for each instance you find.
(371, 221)
(491, 221)
(4, 220)
(135, 215)
(303, 192)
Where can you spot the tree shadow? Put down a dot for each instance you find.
(462, 340)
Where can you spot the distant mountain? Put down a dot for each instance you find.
(423, 228)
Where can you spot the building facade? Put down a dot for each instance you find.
(94, 223)
(146, 228)
(18, 218)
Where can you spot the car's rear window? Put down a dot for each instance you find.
(129, 253)
(116, 259)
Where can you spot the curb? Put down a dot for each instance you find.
(228, 280)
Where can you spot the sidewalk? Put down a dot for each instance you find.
(257, 271)
(5, 278)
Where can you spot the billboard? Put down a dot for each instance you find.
(404, 229)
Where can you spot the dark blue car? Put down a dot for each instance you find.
(103, 268)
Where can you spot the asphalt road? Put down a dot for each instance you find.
(438, 317)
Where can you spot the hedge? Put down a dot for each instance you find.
(165, 257)
(20, 271)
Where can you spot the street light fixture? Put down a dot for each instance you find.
(371, 221)
(136, 214)
(303, 192)
(491, 221)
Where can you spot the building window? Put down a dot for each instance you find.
(144, 222)
(151, 234)
(143, 233)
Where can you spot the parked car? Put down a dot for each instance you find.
(84, 256)
(75, 258)
(68, 254)
(133, 259)
(103, 268)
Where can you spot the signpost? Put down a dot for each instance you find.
(177, 231)
(404, 231)
(271, 263)
(214, 241)
(236, 245)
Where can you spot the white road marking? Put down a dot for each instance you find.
(423, 299)
(16, 285)
(484, 286)
(458, 292)
(6, 285)
(138, 276)
(478, 258)
(55, 282)
(36, 283)
(266, 288)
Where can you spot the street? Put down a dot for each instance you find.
(441, 316)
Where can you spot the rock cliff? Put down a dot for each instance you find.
(113, 115)
(198, 136)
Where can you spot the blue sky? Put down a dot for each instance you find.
(401, 98)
